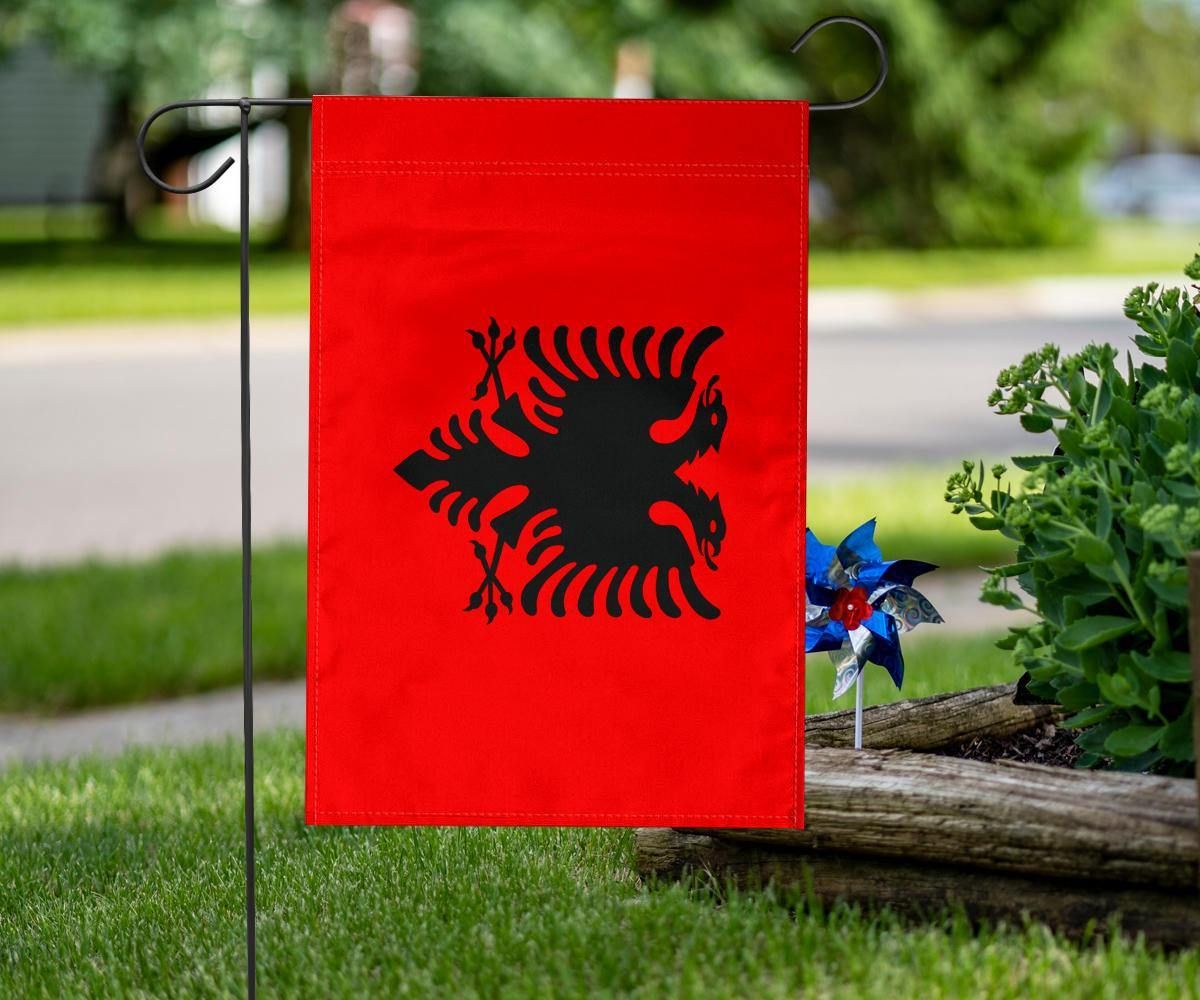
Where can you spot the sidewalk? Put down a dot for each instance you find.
(1066, 299)
(178, 722)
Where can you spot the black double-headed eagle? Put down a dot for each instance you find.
(590, 470)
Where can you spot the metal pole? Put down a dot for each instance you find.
(244, 106)
(247, 600)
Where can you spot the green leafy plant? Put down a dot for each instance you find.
(1103, 527)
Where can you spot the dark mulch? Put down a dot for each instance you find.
(1048, 744)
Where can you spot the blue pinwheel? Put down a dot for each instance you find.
(858, 604)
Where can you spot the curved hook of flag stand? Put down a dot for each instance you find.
(145, 129)
(245, 105)
(880, 49)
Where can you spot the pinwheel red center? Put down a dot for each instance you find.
(850, 607)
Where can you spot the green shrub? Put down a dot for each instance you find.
(1103, 527)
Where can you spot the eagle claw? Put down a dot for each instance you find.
(491, 585)
(492, 353)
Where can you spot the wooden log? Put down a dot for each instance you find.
(931, 723)
(917, 831)
(1019, 818)
(1169, 917)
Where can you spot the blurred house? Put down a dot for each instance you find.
(52, 119)
(634, 76)
(220, 204)
(374, 48)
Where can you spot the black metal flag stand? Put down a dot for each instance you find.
(244, 105)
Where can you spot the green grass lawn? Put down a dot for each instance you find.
(76, 281)
(103, 633)
(1122, 248)
(124, 879)
(67, 276)
(98, 633)
(914, 521)
(933, 663)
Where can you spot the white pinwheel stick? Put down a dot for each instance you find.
(858, 709)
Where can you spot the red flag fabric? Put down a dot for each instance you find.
(557, 462)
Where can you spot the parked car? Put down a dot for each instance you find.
(1160, 186)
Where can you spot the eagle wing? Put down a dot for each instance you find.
(569, 558)
(599, 472)
(618, 399)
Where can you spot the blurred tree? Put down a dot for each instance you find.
(152, 51)
(294, 36)
(1156, 49)
(991, 109)
(978, 138)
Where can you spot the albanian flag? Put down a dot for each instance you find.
(557, 459)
